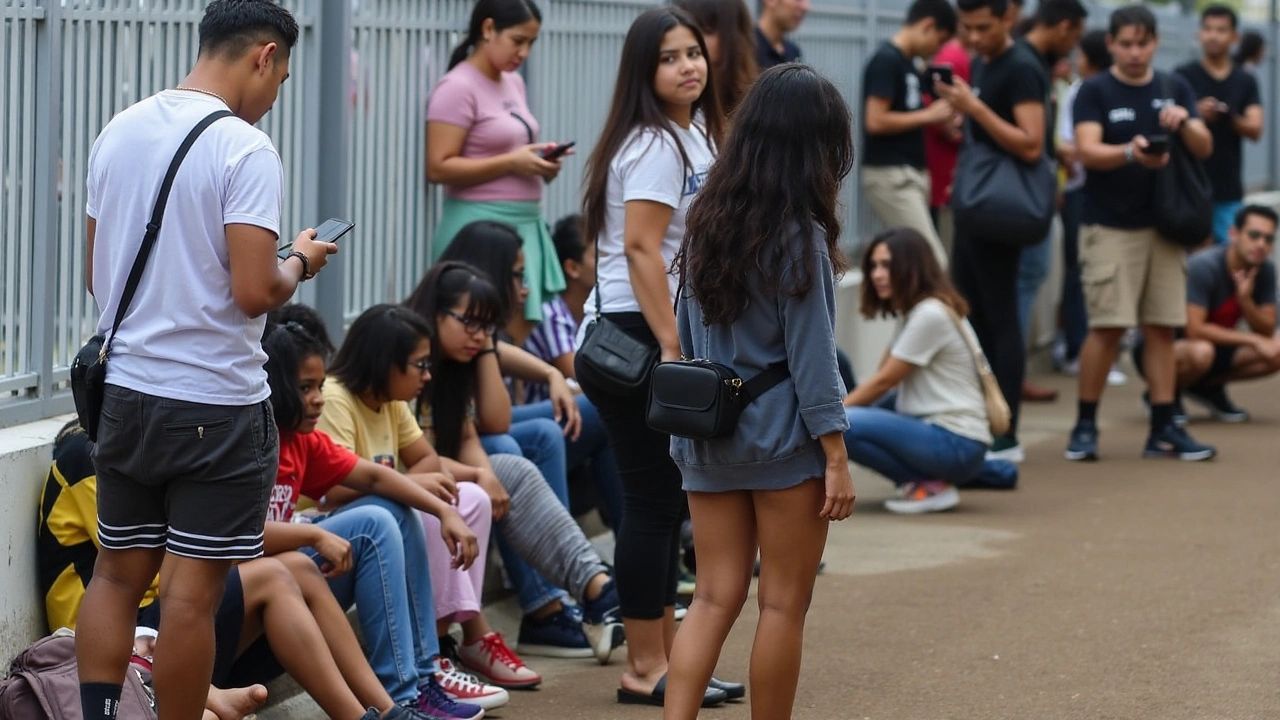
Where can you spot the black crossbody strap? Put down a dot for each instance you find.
(153, 227)
(765, 381)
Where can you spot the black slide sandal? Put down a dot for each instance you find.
(710, 698)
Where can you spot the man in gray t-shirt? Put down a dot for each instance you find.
(1231, 314)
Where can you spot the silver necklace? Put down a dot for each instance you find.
(204, 92)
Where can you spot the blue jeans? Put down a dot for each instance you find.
(542, 438)
(1075, 316)
(592, 445)
(390, 584)
(905, 449)
(1033, 269)
(1224, 216)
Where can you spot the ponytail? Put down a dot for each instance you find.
(504, 14)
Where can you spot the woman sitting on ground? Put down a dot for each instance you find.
(537, 536)
(938, 432)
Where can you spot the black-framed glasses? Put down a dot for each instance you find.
(1259, 235)
(518, 276)
(423, 365)
(472, 325)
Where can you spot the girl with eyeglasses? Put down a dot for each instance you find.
(372, 549)
(482, 144)
(560, 434)
(543, 549)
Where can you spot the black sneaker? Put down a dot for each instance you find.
(1174, 442)
(1179, 412)
(1084, 442)
(1220, 406)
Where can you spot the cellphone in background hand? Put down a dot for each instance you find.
(940, 73)
(1156, 145)
(557, 151)
(329, 231)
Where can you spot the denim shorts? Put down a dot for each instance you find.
(191, 478)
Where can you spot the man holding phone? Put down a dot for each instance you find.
(1230, 105)
(1132, 276)
(894, 117)
(186, 453)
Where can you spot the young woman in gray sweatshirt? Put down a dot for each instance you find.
(758, 266)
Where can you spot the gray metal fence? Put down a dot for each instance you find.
(349, 125)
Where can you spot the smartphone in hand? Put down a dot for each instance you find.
(939, 73)
(1156, 145)
(328, 231)
(555, 152)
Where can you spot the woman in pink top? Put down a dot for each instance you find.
(482, 145)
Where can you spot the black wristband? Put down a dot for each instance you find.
(306, 265)
(486, 351)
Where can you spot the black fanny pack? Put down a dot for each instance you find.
(702, 399)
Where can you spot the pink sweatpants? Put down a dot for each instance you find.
(457, 592)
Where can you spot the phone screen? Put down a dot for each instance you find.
(942, 73)
(328, 231)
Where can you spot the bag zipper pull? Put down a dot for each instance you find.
(200, 432)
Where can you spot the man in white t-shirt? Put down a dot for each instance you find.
(187, 445)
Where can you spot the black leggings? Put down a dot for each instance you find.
(646, 559)
(987, 275)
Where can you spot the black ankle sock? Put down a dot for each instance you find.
(100, 701)
(1161, 416)
(1086, 412)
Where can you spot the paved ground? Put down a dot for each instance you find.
(1128, 589)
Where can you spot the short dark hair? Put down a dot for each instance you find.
(998, 7)
(941, 12)
(493, 248)
(1136, 15)
(1093, 45)
(567, 237)
(283, 362)
(230, 27)
(1251, 44)
(382, 338)
(1242, 215)
(1218, 10)
(1055, 12)
(309, 321)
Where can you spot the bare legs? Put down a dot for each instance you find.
(791, 539)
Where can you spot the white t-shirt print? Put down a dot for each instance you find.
(648, 167)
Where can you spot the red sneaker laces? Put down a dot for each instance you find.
(497, 649)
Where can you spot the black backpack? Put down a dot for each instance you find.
(1183, 196)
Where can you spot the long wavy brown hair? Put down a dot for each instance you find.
(730, 22)
(773, 186)
(914, 275)
(635, 106)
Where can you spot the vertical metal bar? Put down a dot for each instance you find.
(48, 140)
(334, 125)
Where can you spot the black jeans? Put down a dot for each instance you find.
(646, 559)
(1075, 318)
(987, 275)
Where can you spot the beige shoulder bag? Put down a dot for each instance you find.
(998, 414)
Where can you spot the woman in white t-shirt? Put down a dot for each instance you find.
(938, 433)
(652, 157)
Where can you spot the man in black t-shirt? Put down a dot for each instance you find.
(1227, 285)
(777, 19)
(1229, 103)
(1005, 108)
(894, 117)
(1054, 31)
(1132, 276)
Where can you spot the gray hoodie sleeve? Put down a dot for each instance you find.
(808, 328)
